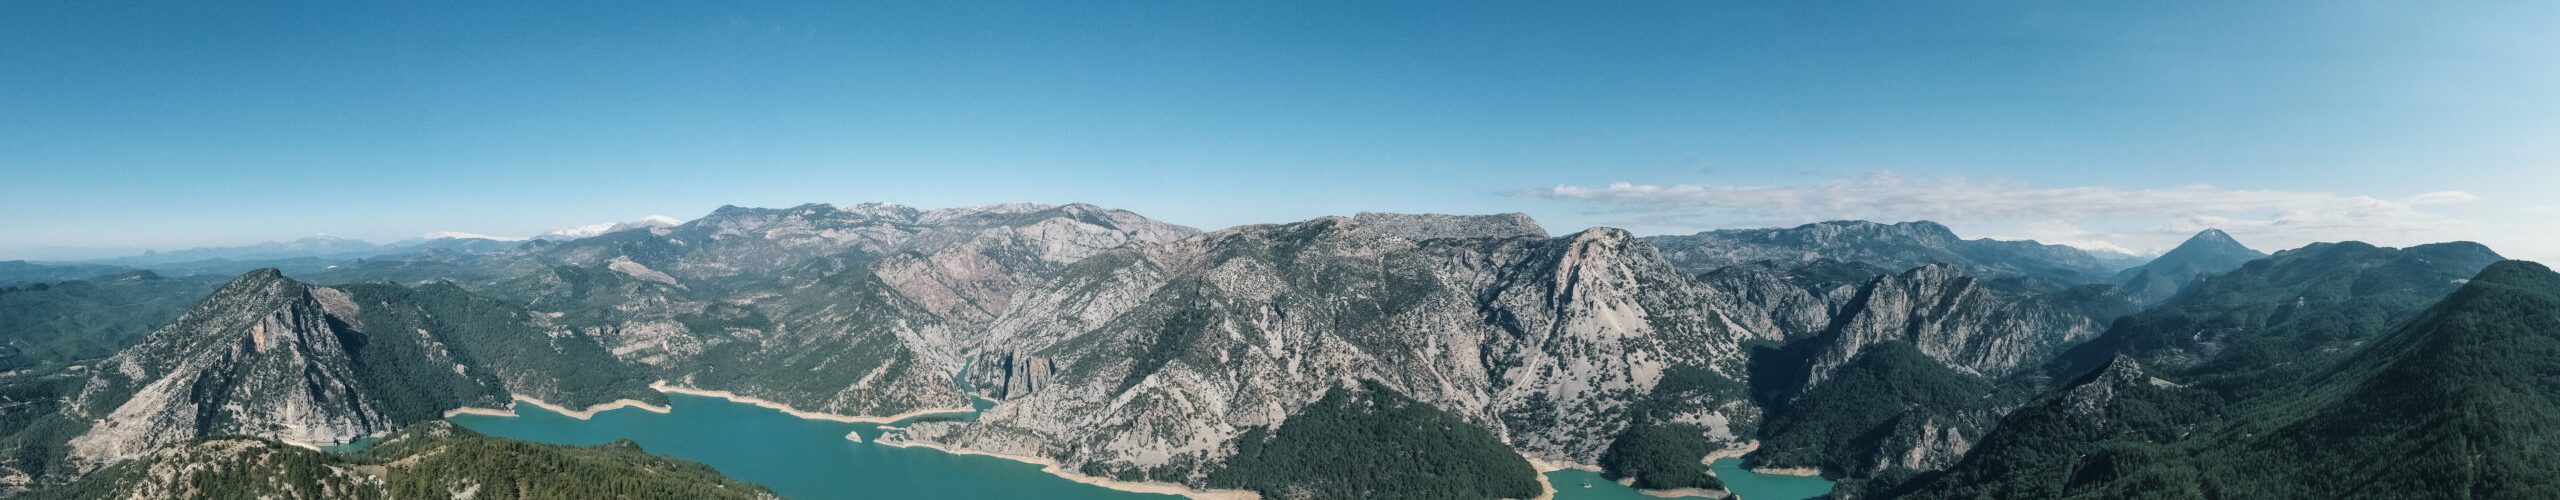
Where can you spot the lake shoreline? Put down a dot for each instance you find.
(1047, 466)
(1788, 471)
(1052, 467)
(664, 387)
(1550, 491)
(587, 414)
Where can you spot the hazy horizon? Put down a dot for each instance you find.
(2124, 127)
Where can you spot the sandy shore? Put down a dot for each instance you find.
(585, 414)
(663, 386)
(1546, 489)
(1545, 467)
(479, 411)
(1736, 452)
(313, 447)
(1789, 471)
(590, 412)
(1053, 468)
(1684, 493)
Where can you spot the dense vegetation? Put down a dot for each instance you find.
(2458, 403)
(430, 460)
(2278, 319)
(2076, 440)
(1662, 452)
(1842, 424)
(1661, 455)
(434, 460)
(2462, 403)
(1373, 442)
(48, 328)
(63, 322)
(406, 335)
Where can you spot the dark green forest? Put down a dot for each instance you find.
(1373, 442)
(2458, 403)
(433, 460)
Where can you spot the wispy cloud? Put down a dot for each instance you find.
(2135, 219)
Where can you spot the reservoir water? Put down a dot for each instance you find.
(1744, 483)
(806, 459)
(799, 458)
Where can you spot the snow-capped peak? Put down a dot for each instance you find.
(575, 232)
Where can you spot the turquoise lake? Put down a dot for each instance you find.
(1745, 484)
(798, 458)
(811, 460)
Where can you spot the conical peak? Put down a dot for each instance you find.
(262, 281)
(2212, 238)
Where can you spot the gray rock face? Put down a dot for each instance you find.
(1959, 321)
(1789, 301)
(2099, 390)
(1928, 444)
(1419, 227)
(855, 310)
(1892, 246)
(1162, 354)
(260, 358)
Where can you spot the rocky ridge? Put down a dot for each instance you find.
(1162, 354)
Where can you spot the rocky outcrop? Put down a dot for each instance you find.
(1163, 354)
(1963, 322)
(1788, 301)
(261, 357)
(1419, 227)
(271, 357)
(1025, 375)
(862, 309)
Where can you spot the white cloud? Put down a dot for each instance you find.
(2440, 198)
(2108, 218)
(573, 232)
(2061, 232)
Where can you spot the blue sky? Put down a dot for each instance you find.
(2104, 124)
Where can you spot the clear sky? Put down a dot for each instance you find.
(2103, 124)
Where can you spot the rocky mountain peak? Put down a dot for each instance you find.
(1913, 231)
(2208, 252)
(2211, 236)
(2211, 243)
(1609, 235)
(2096, 391)
(259, 357)
(1420, 227)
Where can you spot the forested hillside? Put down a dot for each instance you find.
(428, 461)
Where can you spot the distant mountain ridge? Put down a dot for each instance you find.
(1897, 358)
(1893, 246)
(2208, 252)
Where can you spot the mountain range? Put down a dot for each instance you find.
(1899, 359)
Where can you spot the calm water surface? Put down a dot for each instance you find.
(798, 458)
(811, 459)
(1744, 483)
